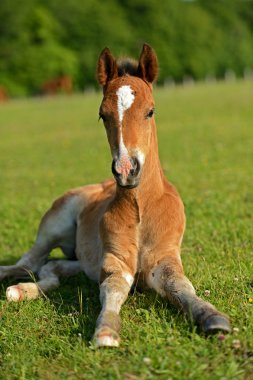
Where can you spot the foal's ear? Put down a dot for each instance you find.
(106, 67)
(148, 64)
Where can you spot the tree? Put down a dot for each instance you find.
(34, 54)
(46, 38)
(88, 28)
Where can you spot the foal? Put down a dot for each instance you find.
(121, 230)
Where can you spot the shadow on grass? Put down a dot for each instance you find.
(9, 260)
(77, 298)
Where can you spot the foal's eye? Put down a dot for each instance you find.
(150, 113)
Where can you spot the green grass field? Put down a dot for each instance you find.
(206, 147)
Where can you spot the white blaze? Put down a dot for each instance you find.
(125, 100)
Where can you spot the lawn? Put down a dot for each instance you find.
(206, 147)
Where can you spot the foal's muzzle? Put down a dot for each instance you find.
(132, 180)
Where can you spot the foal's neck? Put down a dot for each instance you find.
(151, 184)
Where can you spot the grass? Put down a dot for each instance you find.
(50, 145)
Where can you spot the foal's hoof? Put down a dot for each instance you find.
(22, 291)
(216, 323)
(15, 293)
(106, 337)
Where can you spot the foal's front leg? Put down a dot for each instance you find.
(167, 278)
(117, 279)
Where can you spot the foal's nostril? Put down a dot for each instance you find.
(135, 167)
(114, 171)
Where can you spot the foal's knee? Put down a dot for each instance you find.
(113, 292)
(170, 282)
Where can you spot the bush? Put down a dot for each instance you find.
(48, 38)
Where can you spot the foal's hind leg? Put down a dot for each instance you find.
(167, 278)
(49, 279)
(29, 263)
(57, 229)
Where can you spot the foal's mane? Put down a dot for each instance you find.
(127, 66)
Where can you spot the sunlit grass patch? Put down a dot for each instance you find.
(205, 140)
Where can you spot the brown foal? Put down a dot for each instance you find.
(124, 229)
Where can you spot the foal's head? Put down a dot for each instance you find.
(127, 111)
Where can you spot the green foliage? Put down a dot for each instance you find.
(205, 141)
(89, 27)
(42, 63)
(36, 55)
(47, 38)
(236, 39)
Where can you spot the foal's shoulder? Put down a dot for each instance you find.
(173, 197)
(170, 189)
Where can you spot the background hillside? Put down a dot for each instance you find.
(43, 39)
